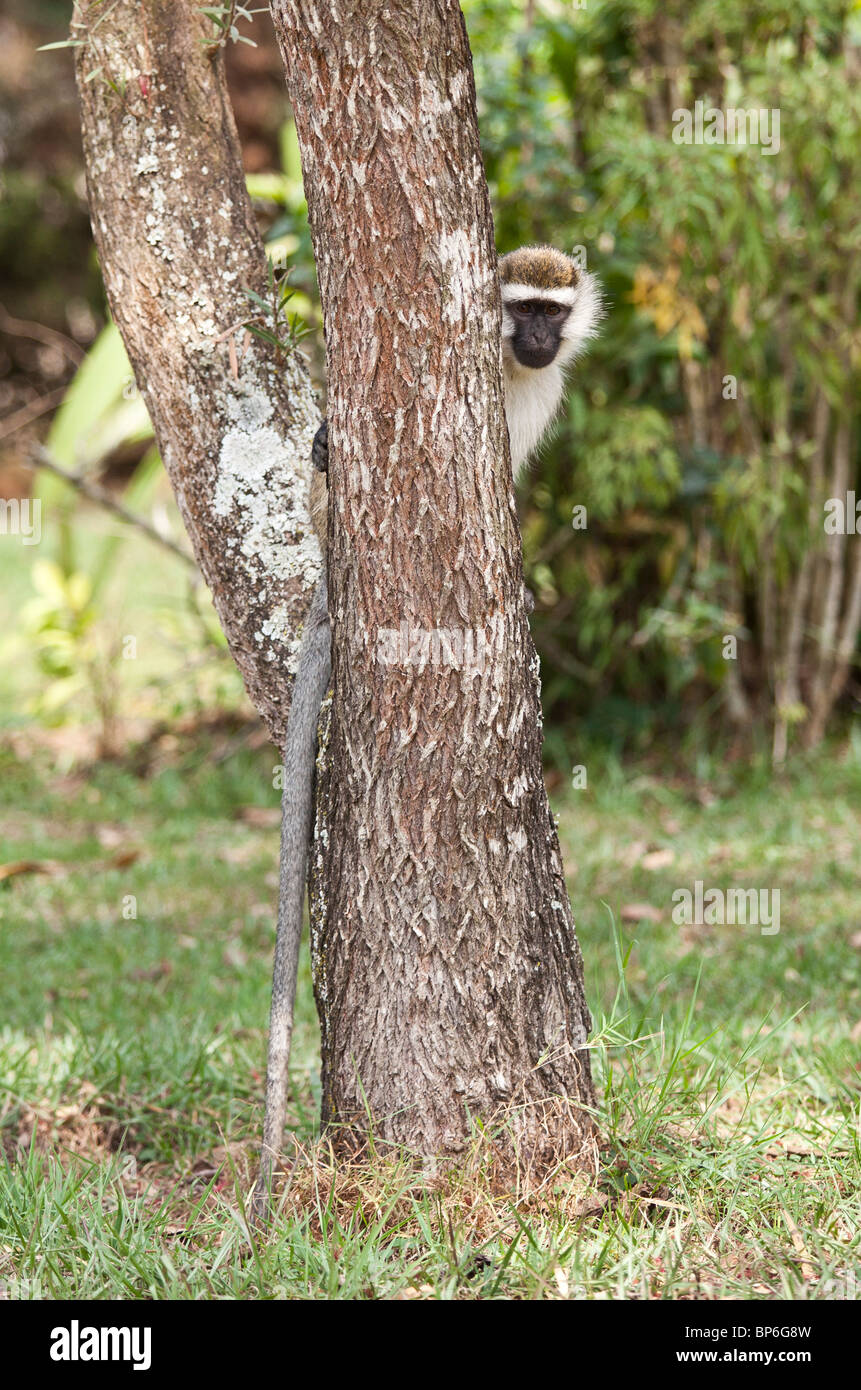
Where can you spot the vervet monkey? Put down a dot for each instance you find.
(550, 308)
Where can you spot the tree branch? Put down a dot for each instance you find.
(100, 495)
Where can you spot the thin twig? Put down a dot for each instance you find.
(32, 411)
(94, 492)
(40, 333)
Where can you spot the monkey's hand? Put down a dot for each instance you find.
(320, 448)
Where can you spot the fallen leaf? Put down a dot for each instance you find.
(123, 859)
(658, 859)
(640, 912)
(807, 1270)
(242, 852)
(31, 866)
(263, 817)
(163, 968)
(110, 836)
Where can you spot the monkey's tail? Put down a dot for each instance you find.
(297, 805)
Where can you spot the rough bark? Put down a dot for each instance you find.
(179, 250)
(836, 547)
(789, 680)
(447, 969)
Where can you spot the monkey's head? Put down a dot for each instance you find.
(549, 306)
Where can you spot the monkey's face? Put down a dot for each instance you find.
(550, 307)
(536, 328)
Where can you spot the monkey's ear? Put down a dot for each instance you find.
(320, 448)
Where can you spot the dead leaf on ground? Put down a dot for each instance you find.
(262, 817)
(157, 972)
(658, 859)
(31, 866)
(111, 836)
(807, 1270)
(241, 853)
(122, 860)
(54, 867)
(640, 912)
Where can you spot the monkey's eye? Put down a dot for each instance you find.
(524, 307)
(552, 309)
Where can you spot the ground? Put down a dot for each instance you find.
(135, 944)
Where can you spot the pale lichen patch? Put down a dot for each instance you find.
(254, 463)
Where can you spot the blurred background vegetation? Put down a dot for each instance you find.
(702, 434)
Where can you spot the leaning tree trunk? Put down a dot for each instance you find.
(447, 970)
(179, 251)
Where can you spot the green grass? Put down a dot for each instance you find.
(132, 1050)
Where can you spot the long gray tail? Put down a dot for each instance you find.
(297, 805)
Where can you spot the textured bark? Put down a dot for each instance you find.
(836, 548)
(447, 969)
(788, 685)
(179, 248)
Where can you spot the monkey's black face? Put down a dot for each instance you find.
(538, 325)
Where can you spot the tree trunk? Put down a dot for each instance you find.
(447, 969)
(179, 250)
(824, 688)
(788, 697)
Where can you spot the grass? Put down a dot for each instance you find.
(134, 977)
(135, 955)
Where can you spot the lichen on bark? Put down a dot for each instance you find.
(180, 251)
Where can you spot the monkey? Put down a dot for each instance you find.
(550, 308)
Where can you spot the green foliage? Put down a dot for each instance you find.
(59, 622)
(719, 261)
(89, 607)
(281, 327)
(279, 199)
(101, 409)
(730, 275)
(225, 19)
